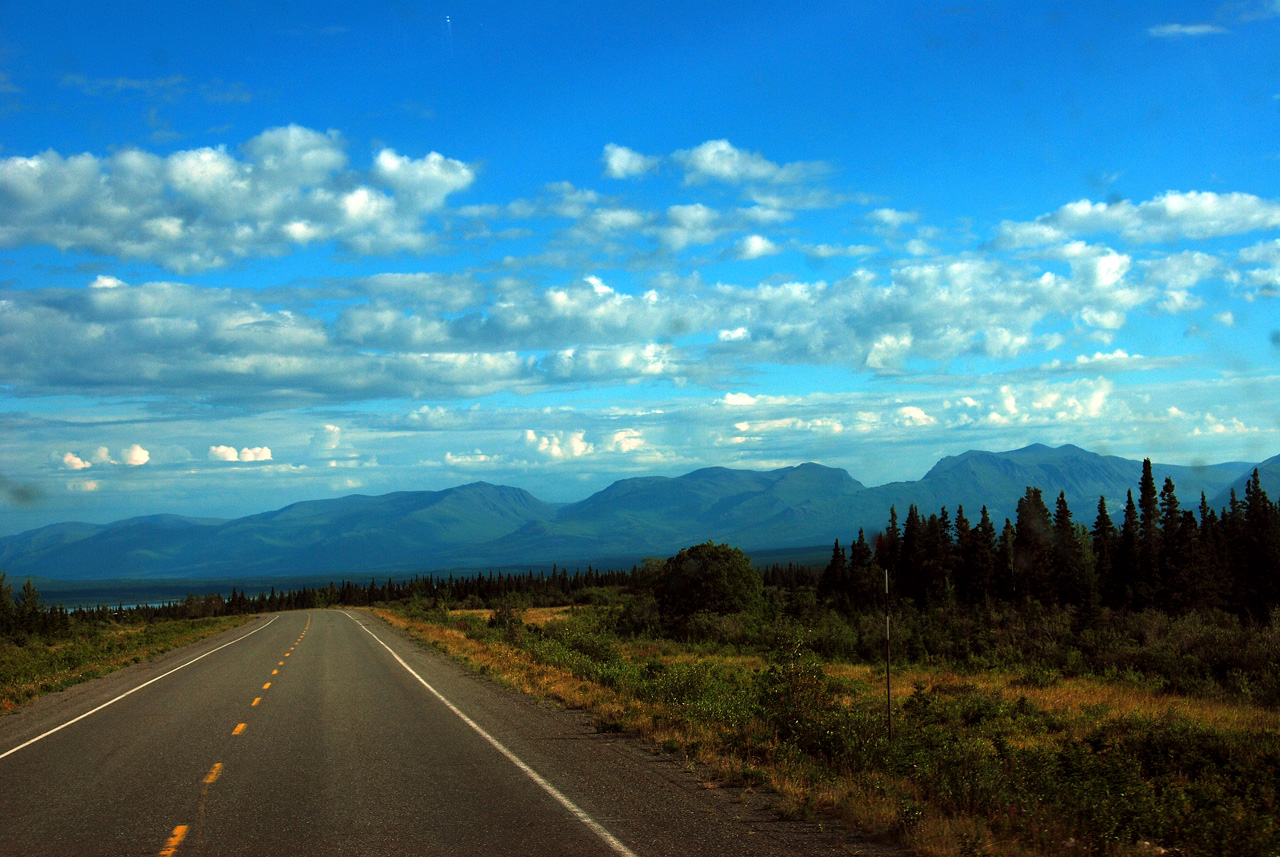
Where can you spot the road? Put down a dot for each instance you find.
(327, 732)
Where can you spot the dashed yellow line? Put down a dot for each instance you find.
(256, 700)
(273, 672)
(267, 685)
(281, 663)
(214, 772)
(239, 729)
(175, 839)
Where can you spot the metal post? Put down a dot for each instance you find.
(888, 688)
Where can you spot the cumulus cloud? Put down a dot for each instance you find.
(134, 455)
(228, 453)
(719, 160)
(71, 461)
(690, 224)
(560, 444)
(625, 440)
(206, 208)
(755, 247)
(623, 163)
(1169, 217)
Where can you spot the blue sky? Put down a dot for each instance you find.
(261, 255)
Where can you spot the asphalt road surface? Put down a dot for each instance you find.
(327, 732)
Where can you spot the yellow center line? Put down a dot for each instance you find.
(273, 672)
(267, 685)
(256, 700)
(286, 654)
(239, 729)
(179, 834)
(214, 772)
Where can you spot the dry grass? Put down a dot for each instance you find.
(532, 615)
(1087, 697)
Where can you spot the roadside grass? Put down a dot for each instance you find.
(982, 762)
(35, 667)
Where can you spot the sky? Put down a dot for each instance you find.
(258, 253)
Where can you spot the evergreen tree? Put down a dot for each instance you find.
(911, 582)
(1070, 574)
(1008, 587)
(1261, 549)
(834, 581)
(1031, 547)
(1104, 540)
(978, 562)
(1147, 578)
(1124, 570)
(889, 546)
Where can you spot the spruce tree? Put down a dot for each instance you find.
(1031, 548)
(1103, 538)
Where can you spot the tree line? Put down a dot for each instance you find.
(26, 614)
(1161, 556)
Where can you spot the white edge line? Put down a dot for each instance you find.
(135, 690)
(578, 813)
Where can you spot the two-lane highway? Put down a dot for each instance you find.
(326, 732)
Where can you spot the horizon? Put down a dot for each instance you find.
(869, 486)
(260, 259)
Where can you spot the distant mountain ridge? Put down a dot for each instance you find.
(482, 525)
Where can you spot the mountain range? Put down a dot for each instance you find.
(486, 526)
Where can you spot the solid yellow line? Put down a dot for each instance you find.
(213, 774)
(179, 834)
(267, 685)
(239, 729)
(256, 701)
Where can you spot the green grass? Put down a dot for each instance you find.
(33, 666)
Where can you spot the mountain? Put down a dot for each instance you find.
(998, 480)
(482, 525)
(1268, 477)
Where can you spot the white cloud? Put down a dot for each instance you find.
(560, 445)
(755, 247)
(1169, 217)
(733, 335)
(910, 415)
(205, 208)
(1225, 318)
(690, 224)
(134, 455)
(102, 455)
(625, 440)
(228, 453)
(83, 485)
(71, 461)
(623, 163)
(719, 160)
(1174, 31)
(892, 218)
